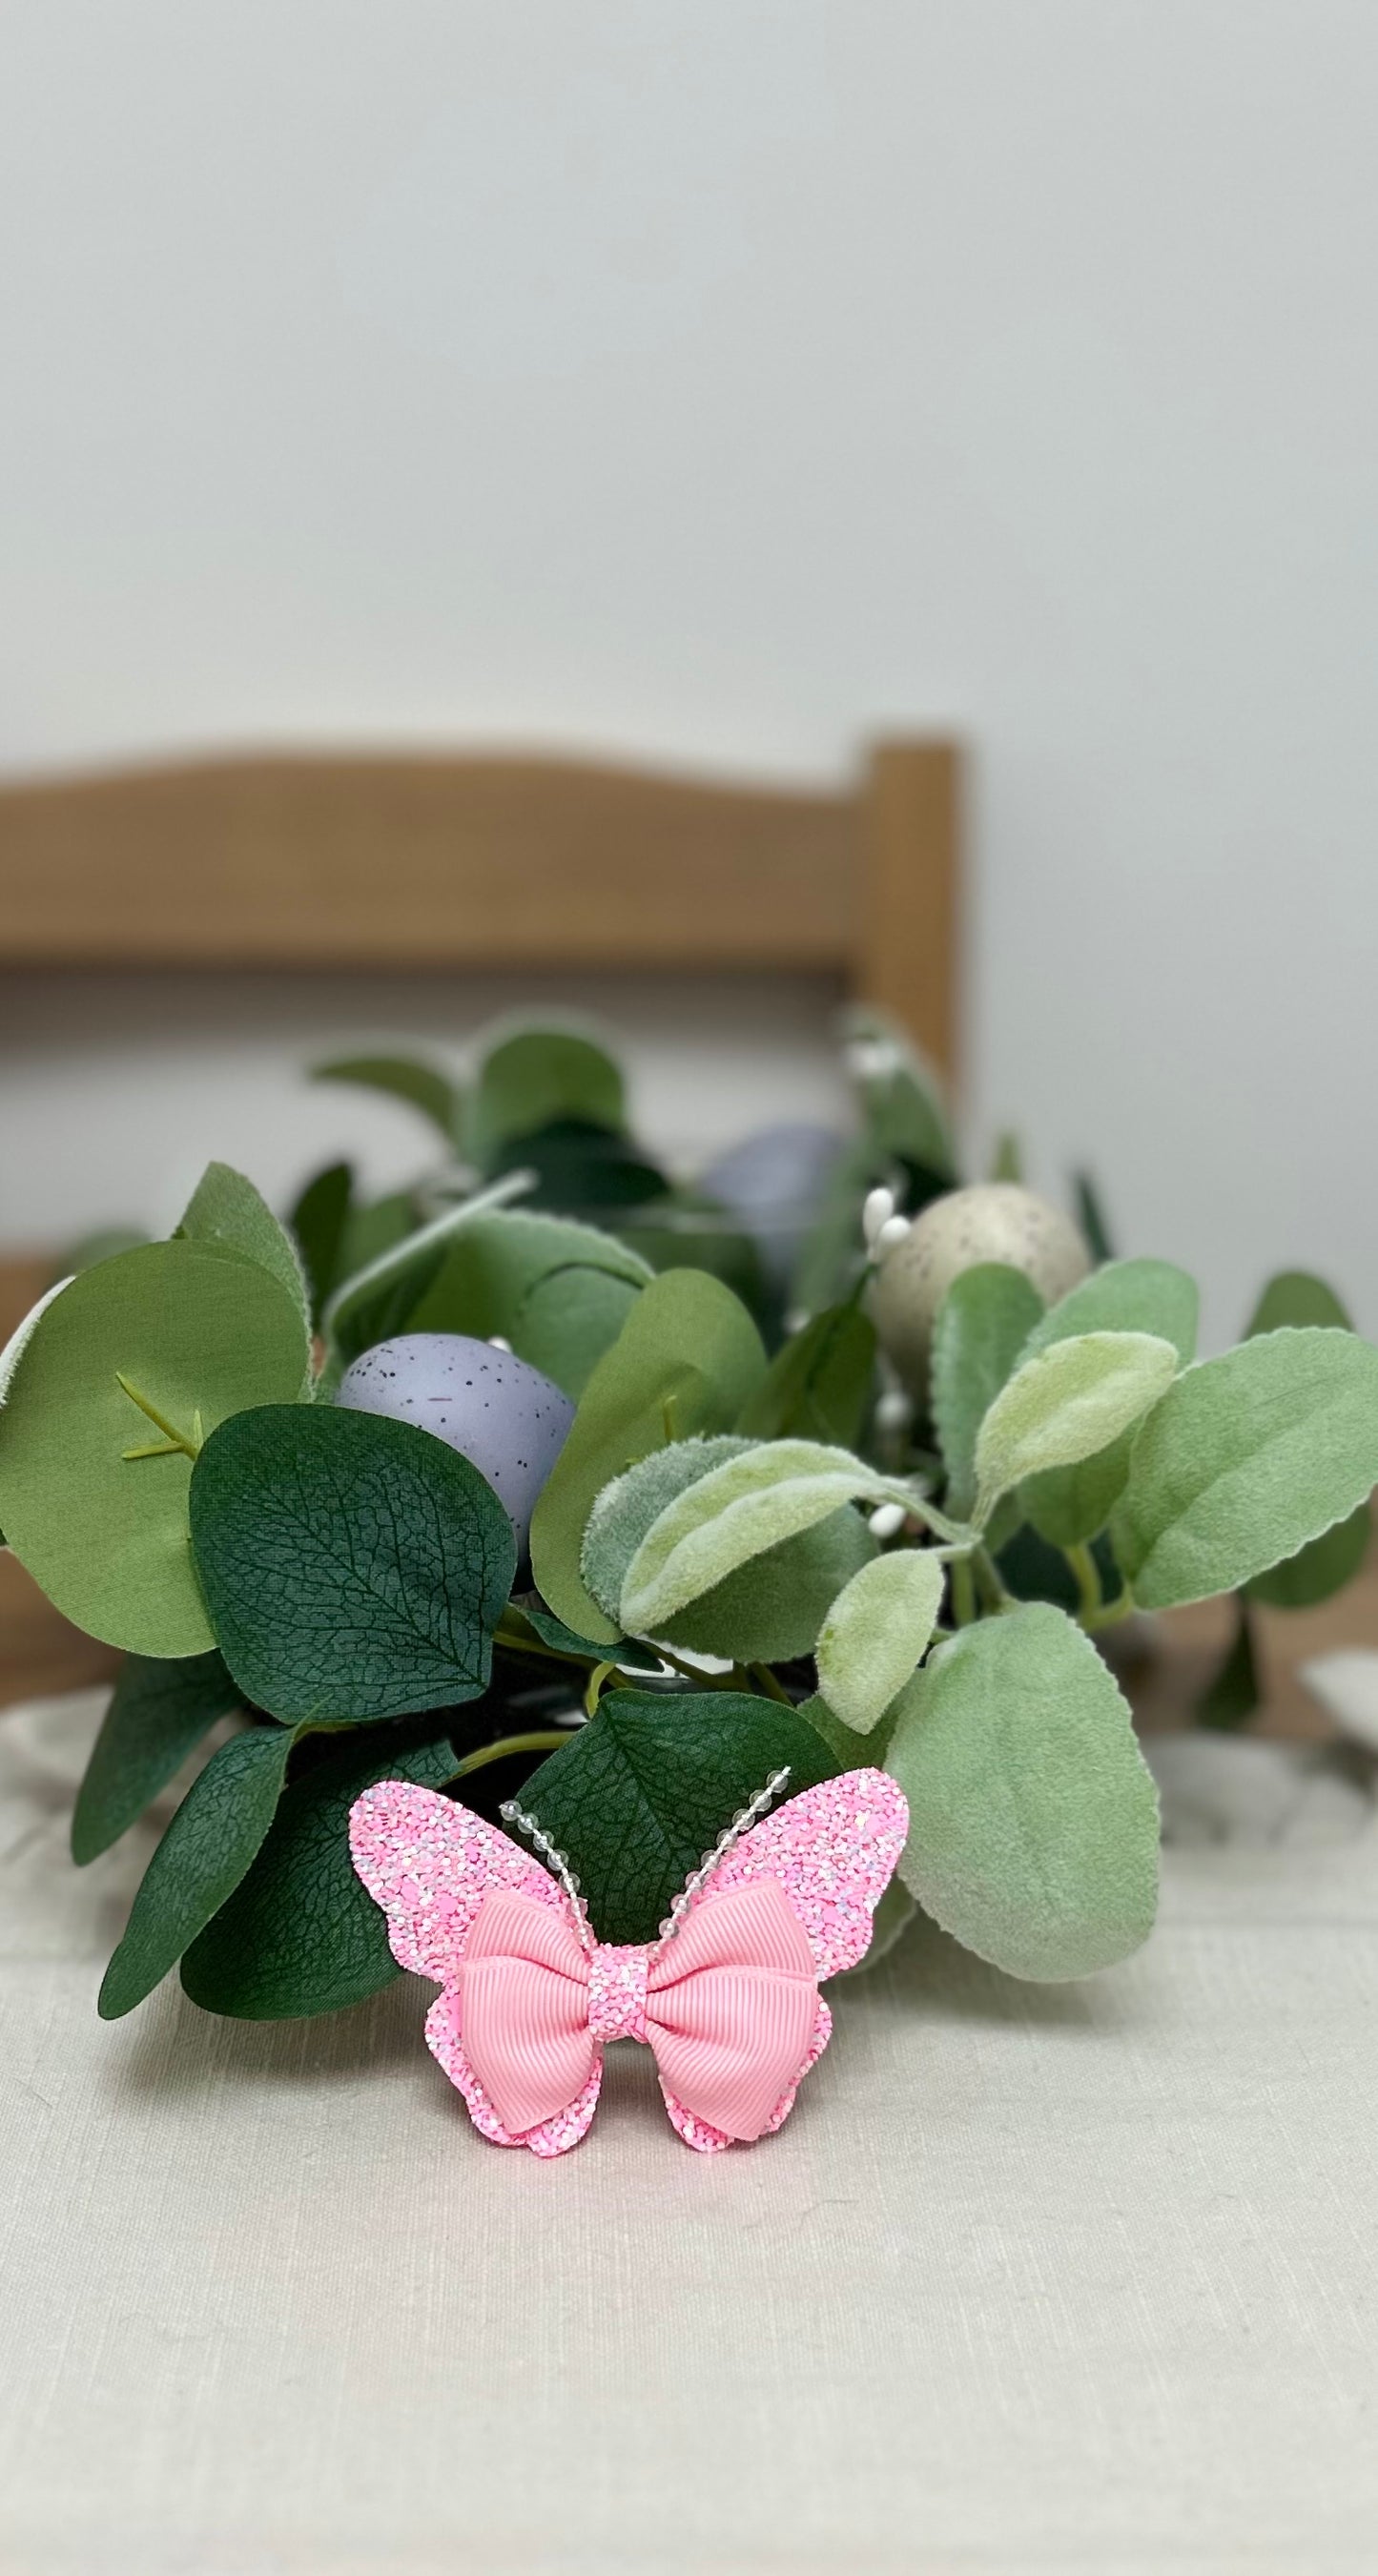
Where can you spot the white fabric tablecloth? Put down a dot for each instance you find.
(1032, 2280)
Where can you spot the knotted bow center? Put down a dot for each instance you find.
(617, 1990)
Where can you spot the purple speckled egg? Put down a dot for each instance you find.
(502, 1415)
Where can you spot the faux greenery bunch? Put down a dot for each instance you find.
(742, 1558)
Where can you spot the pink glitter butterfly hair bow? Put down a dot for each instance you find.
(727, 1999)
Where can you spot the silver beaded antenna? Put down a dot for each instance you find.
(555, 1861)
(727, 1841)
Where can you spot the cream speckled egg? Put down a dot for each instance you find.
(992, 1221)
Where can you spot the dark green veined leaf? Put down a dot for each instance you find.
(300, 1934)
(202, 1857)
(354, 1568)
(159, 1711)
(319, 1221)
(818, 1387)
(638, 1795)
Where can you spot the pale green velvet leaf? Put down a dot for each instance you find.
(983, 1325)
(1068, 1505)
(225, 1208)
(1067, 1403)
(876, 1632)
(685, 1361)
(1033, 1819)
(1246, 1460)
(738, 1511)
(199, 1332)
(765, 1611)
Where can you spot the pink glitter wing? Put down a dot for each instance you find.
(834, 1850)
(430, 1863)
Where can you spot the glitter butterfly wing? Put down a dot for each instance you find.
(430, 1863)
(834, 1850)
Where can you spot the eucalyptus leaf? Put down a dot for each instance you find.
(200, 1861)
(1033, 1817)
(532, 1612)
(320, 1221)
(875, 1633)
(300, 1934)
(1297, 1297)
(685, 1361)
(387, 1295)
(159, 1710)
(1247, 1459)
(198, 1333)
(982, 1327)
(354, 1568)
(638, 1795)
(411, 1079)
(536, 1077)
(740, 1509)
(568, 1318)
(226, 1209)
(1068, 1403)
(818, 1386)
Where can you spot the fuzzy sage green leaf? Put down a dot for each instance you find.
(354, 1568)
(685, 1361)
(1329, 1562)
(1246, 1459)
(199, 1862)
(735, 1513)
(983, 1325)
(1068, 1505)
(638, 1795)
(875, 1633)
(1033, 1818)
(1067, 1403)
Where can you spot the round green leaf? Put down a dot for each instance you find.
(197, 1330)
(226, 1209)
(536, 1077)
(1297, 1297)
(1247, 1459)
(422, 1086)
(354, 1568)
(1033, 1817)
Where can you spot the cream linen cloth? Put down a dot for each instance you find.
(1032, 2280)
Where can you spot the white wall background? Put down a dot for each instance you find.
(721, 379)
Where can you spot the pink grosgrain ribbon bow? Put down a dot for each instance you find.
(728, 2005)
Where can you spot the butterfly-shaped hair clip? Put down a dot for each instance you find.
(727, 1998)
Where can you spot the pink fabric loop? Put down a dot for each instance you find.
(728, 2006)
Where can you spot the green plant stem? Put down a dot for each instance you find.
(172, 1440)
(1091, 1598)
(765, 1679)
(504, 1636)
(547, 1740)
(994, 1595)
(596, 1680)
(963, 1591)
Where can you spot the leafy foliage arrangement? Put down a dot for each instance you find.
(671, 1544)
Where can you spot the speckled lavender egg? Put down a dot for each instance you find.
(773, 1181)
(504, 1416)
(993, 1221)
